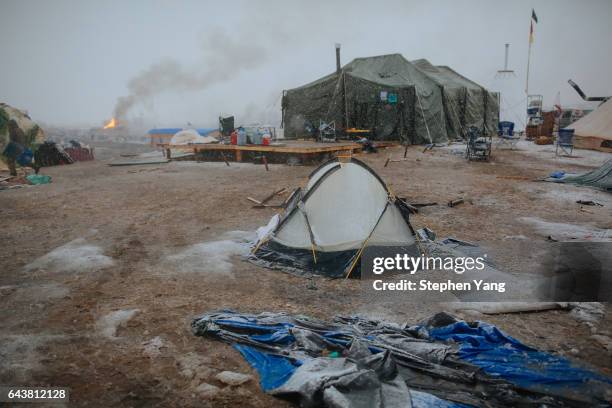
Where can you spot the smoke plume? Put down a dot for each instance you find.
(223, 57)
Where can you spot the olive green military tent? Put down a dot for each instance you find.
(394, 98)
(465, 102)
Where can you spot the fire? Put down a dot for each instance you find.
(111, 124)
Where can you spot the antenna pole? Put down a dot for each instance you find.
(506, 57)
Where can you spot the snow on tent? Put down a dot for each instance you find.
(34, 135)
(326, 225)
(465, 102)
(387, 94)
(190, 136)
(594, 131)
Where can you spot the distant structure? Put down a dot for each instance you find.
(506, 71)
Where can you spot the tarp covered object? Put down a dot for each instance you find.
(34, 135)
(443, 361)
(387, 94)
(600, 178)
(325, 226)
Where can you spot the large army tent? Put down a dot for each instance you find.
(465, 102)
(391, 96)
(343, 208)
(594, 131)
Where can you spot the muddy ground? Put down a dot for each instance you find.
(103, 270)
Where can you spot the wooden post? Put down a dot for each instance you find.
(168, 153)
(238, 155)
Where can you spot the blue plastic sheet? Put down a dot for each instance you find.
(505, 357)
(268, 343)
(273, 370)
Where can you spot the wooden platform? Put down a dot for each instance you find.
(305, 150)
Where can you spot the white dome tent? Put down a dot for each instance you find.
(343, 208)
(190, 136)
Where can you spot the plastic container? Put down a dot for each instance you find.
(234, 138)
(266, 140)
(242, 138)
(255, 138)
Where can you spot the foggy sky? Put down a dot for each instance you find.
(68, 62)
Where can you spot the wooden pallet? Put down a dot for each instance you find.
(297, 148)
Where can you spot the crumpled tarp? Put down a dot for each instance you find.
(442, 362)
(600, 178)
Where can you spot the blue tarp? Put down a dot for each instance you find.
(503, 356)
(277, 345)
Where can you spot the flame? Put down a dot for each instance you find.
(111, 124)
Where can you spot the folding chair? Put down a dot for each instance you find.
(506, 136)
(565, 142)
(478, 145)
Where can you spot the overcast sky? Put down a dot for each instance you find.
(68, 62)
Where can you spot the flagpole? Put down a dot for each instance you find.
(528, 62)
(527, 77)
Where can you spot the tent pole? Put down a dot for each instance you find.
(358, 255)
(346, 124)
(423, 114)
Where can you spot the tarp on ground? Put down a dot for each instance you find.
(387, 94)
(443, 361)
(600, 178)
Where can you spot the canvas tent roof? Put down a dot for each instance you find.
(596, 125)
(342, 207)
(355, 95)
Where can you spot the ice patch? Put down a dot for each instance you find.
(20, 354)
(571, 194)
(212, 257)
(107, 325)
(37, 293)
(562, 232)
(74, 257)
(152, 348)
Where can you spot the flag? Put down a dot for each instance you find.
(533, 18)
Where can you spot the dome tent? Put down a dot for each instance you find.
(190, 136)
(343, 208)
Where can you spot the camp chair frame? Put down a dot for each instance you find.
(506, 136)
(478, 144)
(565, 143)
(327, 131)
